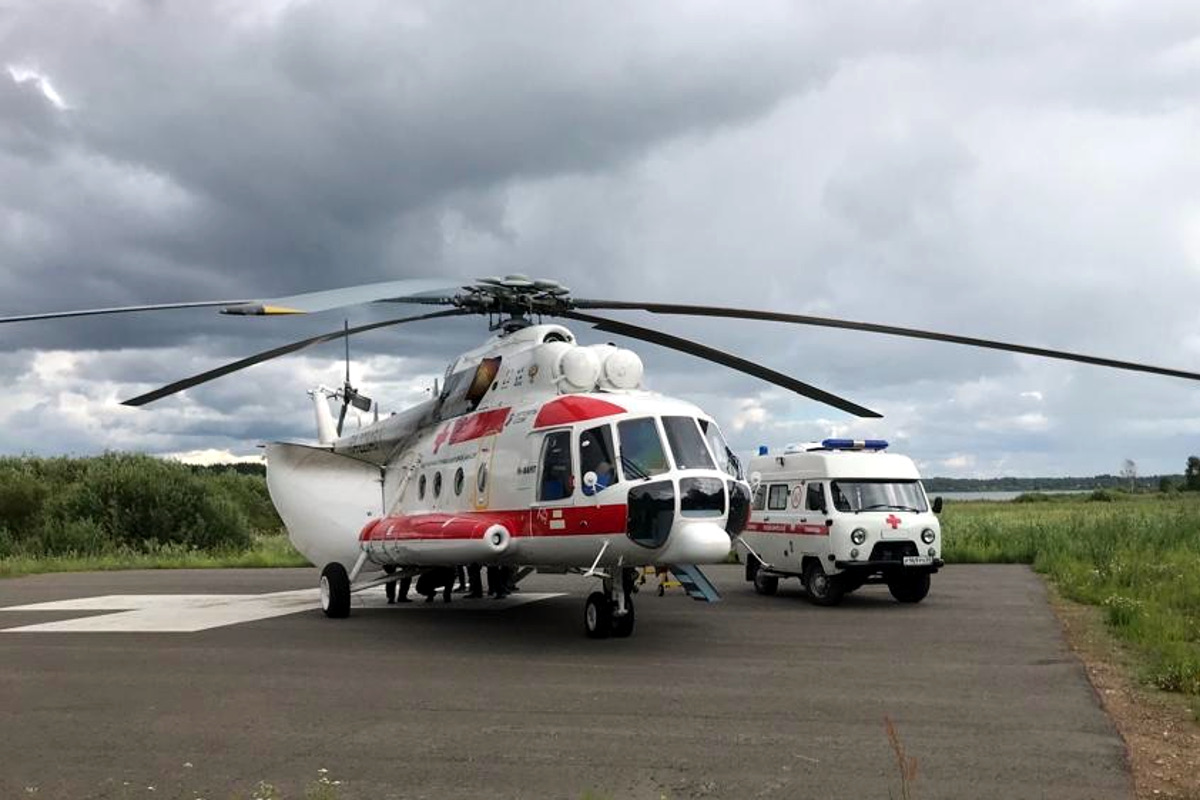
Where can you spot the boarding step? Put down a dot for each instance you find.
(695, 583)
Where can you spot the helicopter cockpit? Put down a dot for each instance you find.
(677, 465)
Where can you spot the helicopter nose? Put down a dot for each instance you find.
(696, 542)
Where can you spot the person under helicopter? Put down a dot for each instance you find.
(390, 587)
(499, 578)
(474, 581)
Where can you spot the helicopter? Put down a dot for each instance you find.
(536, 452)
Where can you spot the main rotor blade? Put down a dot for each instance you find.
(890, 330)
(415, 290)
(267, 355)
(92, 312)
(720, 357)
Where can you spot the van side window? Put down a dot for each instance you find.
(777, 497)
(760, 498)
(815, 499)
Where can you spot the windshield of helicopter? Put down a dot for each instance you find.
(687, 445)
(641, 450)
(878, 495)
(726, 460)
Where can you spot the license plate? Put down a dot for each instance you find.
(918, 561)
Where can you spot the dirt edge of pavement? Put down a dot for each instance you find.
(1160, 730)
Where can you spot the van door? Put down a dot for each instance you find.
(778, 524)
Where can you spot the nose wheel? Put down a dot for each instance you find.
(610, 612)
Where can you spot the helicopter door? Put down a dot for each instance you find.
(556, 474)
(555, 484)
(483, 469)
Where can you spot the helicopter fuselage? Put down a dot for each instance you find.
(556, 458)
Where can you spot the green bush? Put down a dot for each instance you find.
(75, 537)
(249, 493)
(1101, 496)
(122, 503)
(139, 501)
(22, 496)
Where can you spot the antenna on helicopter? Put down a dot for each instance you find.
(350, 396)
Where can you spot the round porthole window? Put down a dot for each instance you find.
(481, 479)
(437, 484)
(458, 481)
(421, 488)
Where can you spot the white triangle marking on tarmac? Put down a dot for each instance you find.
(188, 613)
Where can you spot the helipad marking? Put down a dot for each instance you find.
(188, 613)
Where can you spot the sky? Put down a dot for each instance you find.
(1025, 171)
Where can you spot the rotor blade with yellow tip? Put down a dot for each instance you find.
(433, 292)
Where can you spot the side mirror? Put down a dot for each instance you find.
(755, 480)
(937, 505)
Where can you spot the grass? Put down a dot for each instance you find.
(265, 551)
(1136, 556)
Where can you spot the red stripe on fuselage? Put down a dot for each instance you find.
(566, 410)
(784, 527)
(540, 521)
(485, 423)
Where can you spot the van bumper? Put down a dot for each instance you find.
(889, 565)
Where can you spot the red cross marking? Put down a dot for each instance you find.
(893, 520)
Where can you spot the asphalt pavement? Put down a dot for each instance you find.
(753, 697)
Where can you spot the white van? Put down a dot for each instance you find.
(840, 514)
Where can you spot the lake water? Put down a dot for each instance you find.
(990, 495)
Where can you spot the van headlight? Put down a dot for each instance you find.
(927, 536)
(858, 536)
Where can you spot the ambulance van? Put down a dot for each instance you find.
(840, 514)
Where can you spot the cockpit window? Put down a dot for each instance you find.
(596, 455)
(557, 481)
(878, 496)
(726, 460)
(641, 451)
(687, 445)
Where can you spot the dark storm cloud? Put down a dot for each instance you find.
(212, 157)
(1020, 173)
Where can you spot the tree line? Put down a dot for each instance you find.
(1189, 481)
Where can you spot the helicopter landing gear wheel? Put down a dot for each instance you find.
(622, 625)
(335, 591)
(597, 616)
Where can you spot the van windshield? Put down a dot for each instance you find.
(881, 495)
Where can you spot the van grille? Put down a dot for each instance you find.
(893, 551)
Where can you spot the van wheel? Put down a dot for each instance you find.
(752, 565)
(910, 588)
(335, 591)
(823, 590)
(764, 583)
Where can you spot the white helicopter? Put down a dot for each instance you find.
(537, 452)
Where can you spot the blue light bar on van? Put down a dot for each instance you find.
(762, 450)
(854, 444)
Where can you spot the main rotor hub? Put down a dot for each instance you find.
(515, 298)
